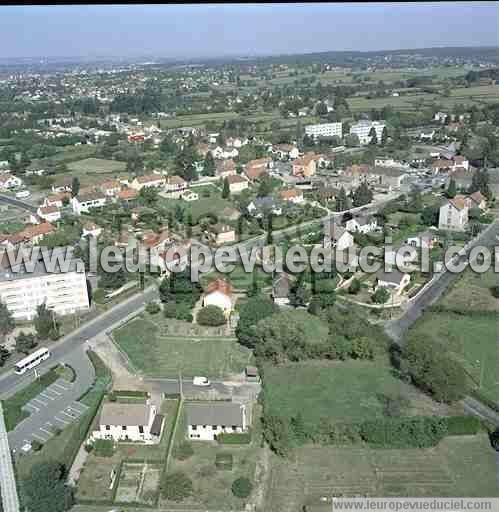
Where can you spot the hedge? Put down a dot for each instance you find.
(224, 461)
(131, 393)
(462, 425)
(235, 438)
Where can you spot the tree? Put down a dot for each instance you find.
(179, 288)
(341, 202)
(277, 434)
(351, 140)
(111, 280)
(176, 486)
(270, 236)
(209, 165)
(45, 488)
(362, 195)
(225, 189)
(265, 186)
(211, 316)
(255, 309)
(75, 186)
(480, 183)
(451, 189)
(255, 286)
(381, 295)
(321, 109)
(45, 322)
(4, 355)
(7, 322)
(384, 136)
(148, 196)
(354, 287)
(25, 342)
(242, 487)
(429, 215)
(432, 368)
(373, 136)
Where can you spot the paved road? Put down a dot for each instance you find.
(57, 406)
(10, 501)
(17, 202)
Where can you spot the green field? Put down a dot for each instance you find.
(343, 391)
(459, 466)
(240, 279)
(157, 353)
(97, 165)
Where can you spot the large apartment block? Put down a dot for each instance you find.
(63, 292)
(363, 128)
(324, 130)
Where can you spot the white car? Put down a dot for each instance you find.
(200, 381)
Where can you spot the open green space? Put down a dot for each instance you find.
(347, 391)
(459, 466)
(156, 353)
(240, 279)
(12, 407)
(96, 165)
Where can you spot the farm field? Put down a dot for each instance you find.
(157, 352)
(344, 391)
(459, 466)
(212, 486)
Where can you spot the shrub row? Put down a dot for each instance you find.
(235, 438)
(131, 393)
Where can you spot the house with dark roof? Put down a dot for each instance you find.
(337, 237)
(394, 280)
(281, 288)
(206, 420)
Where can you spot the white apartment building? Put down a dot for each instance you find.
(84, 202)
(324, 130)
(63, 292)
(362, 129)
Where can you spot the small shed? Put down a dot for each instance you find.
(252, 373)
(157, 425)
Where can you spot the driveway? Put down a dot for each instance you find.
(56, 407)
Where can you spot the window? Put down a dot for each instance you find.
(123, 427)
(141, 429)
(194, 427)
(108, 427)
(234, 428)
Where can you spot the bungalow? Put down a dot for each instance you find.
(281, 288)
(110, 188)
(237, 183)
(306, 165)
(292, 195)
(35, 234)
(84, 202)
(222, 233)
(174, 187)
(219, 293)
(147, 181)
(206, 420)
(9, 181)
(426, 240)
(337, 238)
(453, 214)
(57, 200)
(394, 280)
(49, 213)
(264, 205)
(125, 422)
(225, 168)
(362, 225)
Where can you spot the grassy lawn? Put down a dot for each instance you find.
(11, 227)
(91, 171)
(156, 353)
(343, 391)
(239, 279)
(459, 466)
(212, 486)
(12, 406)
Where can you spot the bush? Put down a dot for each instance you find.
(224, 461)
(99, 295)
(112, 397)
(104, 447)
(242, 487)
(180, 311)
(88, 447)
(36, 445)
(495, 291)
(234, 438)
(183, 451)
(211, 316)
(381, 295)
(153, 308)
(176, 486)
(462, 425)
(354, 287)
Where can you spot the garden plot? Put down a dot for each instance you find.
(138, 483)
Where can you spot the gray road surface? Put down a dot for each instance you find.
(10, 501)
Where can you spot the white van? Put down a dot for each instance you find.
(22, 194)
(200, 381)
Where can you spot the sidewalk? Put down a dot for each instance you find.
(10, 501)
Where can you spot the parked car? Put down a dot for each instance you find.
(200, 381)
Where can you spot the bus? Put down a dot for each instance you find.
(31, 361)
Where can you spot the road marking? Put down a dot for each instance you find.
(52, 390)
(49, 424)
(56, 384)
(76, 412)
(33, 406)
(46, 431)
(75, 405)
(38, 437)
(39, 401)
(66, 422)
(48, 397)
(66, 414)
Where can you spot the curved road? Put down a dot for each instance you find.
(17, 202)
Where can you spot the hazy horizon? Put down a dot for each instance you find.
(217, 30)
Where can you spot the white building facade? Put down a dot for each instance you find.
(324, 130)
(363, 128)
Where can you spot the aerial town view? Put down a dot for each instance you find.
(249, 257)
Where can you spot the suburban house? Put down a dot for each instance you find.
(237, 183)
(453, 214)
(262, 205)
(222, 233)
(285, 151)
(229, 213)
(58, 199)
(426, 240)
(306, 165)
(125, 422)
(224, 153)
(84, 202)
(390, 177)
(8, 181)
(110, 188)
(337, 238)
(441, 165)
(127, 195)
(293, 195)
(477, 200)
(394, 280)
(225, 168)
(280, 289)
(149, 180)
(362, 224)
(206, 420)
(63, 184)
(48, 213)
(91, 229)
(219, 293)
(255, 169)
(33, 234)
(174, 187)
(359, 173)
